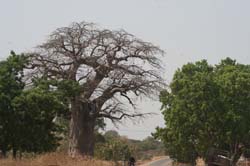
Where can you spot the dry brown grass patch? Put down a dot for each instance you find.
(200, 162)
(54, 159)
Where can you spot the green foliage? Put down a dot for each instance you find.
(26, 116)
(113, 147)
(64, 89)
(68, 88)
(11, 85)
(149, 143)
(35, 111)
(206, 106)
(111, 134)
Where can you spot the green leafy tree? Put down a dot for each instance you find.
(26, 116)
(35, 129)
(11, 85)
(206, 106)
(234, 82)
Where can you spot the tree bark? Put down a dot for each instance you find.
(81, 139)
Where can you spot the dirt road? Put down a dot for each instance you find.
(166, 161)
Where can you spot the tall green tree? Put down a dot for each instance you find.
(26, 116)
(11, 85)
(206, 106)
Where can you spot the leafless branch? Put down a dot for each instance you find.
(104, 62)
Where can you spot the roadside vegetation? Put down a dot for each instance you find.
(54, 159)
(56, 99)
(120, 148)
(64, 89)
(207, 107)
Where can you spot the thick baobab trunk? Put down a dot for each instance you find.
(81, 140)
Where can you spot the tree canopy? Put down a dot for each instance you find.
(108, 67)
(26, 115)
(207, 107)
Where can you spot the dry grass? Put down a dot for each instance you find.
(53, 159)
(245, 162)
(200, 162)
(142, 162)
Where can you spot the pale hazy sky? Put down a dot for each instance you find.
(188, 30)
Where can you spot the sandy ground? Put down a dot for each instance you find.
(142, 163)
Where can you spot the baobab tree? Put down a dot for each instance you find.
(108, 66)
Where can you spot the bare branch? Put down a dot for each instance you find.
(105, 63)
(117, 118)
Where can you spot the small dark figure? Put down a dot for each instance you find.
(131, 161)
